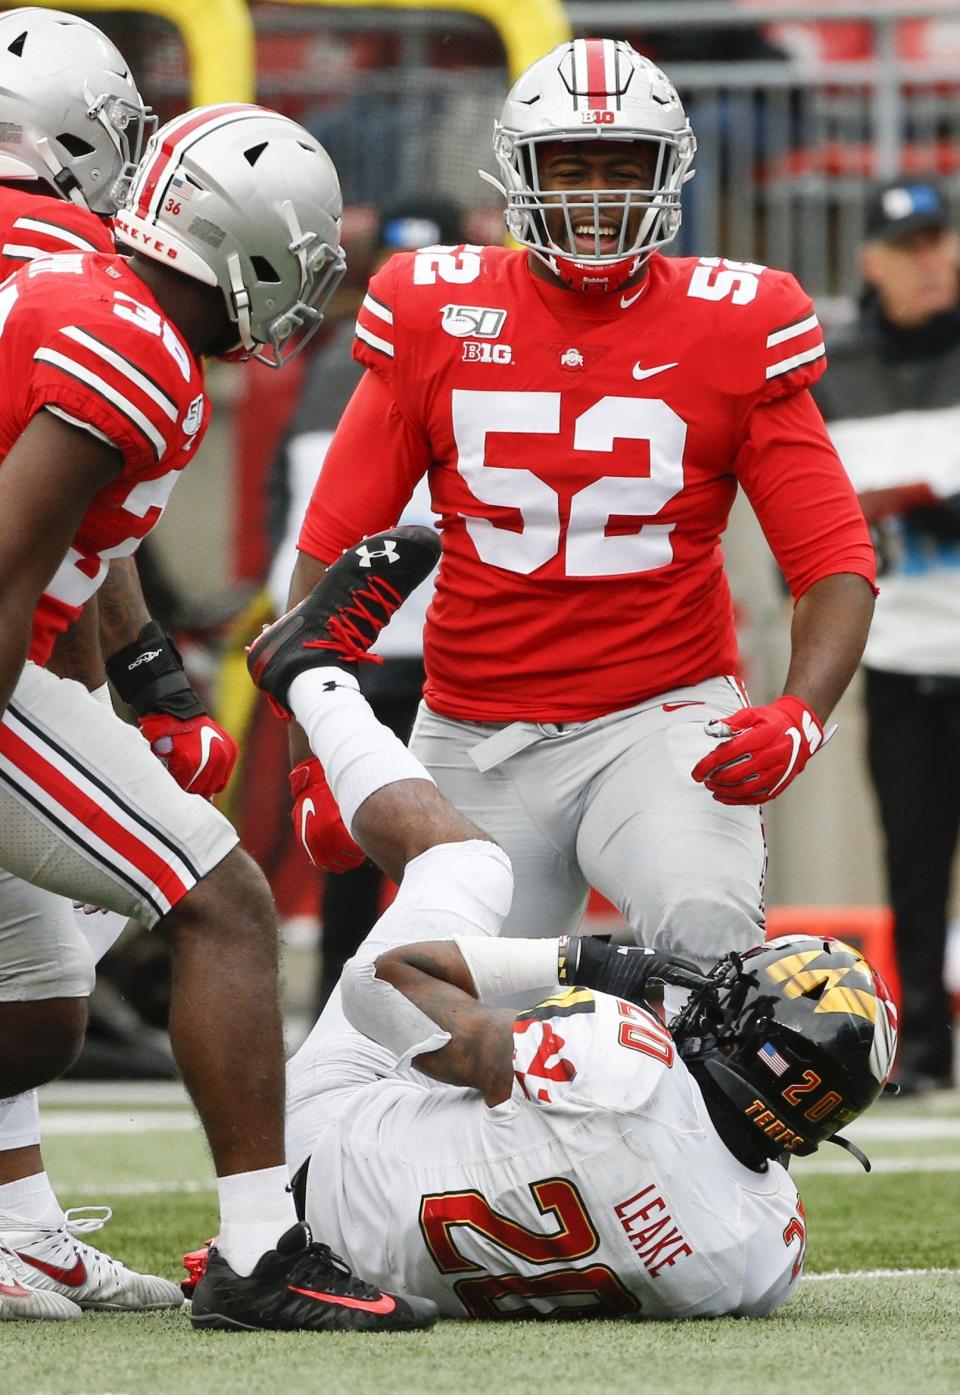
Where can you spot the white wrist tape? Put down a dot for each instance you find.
(387, 1016)
(509, 966)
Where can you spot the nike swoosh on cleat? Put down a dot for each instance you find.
(384, 1304)
(673, 706)
(641, 373)
(14, 1291)
(72, 1277)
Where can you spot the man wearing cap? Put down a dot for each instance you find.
(892, 402)
(351, 902)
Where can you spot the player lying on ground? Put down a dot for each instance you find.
(578, 1159)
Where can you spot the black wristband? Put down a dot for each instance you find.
(588, 962)
(591, 963)
(148, 676)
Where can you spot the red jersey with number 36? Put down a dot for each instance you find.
(83, 337)
(583, 455)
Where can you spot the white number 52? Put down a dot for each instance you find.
(588, 551)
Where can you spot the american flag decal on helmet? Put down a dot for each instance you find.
(163, 161)
(771, 1057)
(594, 74)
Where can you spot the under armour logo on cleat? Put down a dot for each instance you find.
(367, 554)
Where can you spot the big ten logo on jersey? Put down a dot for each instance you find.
(479, 352)
(718, 278)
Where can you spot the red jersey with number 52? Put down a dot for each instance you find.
(583, 455)
(83, 337)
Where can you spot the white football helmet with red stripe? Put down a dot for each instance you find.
(70, 112)
(586, 90)
(243, 198)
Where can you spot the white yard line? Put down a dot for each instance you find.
(875, 1274)
(890, 1130)
(839, 1166)
(108, 1190)
(80, 1121)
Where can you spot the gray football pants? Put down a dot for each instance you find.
(609, 803)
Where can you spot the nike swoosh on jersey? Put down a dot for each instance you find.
(794, 736)
(306, 809)
(72, 1277)
(384, 1304)
(641, 373)
(627, 300)
(208, 735)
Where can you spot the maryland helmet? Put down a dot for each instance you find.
(588, 90)
(70, 113)
(243, 198)
(799, 1035)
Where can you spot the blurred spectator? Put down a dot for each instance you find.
(351, 900)
(892, 400)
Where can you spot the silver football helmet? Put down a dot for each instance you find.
(586, 90)
(243, 198)
(70, 112)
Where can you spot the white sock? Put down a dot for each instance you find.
(29, 1204)
(20, 1121)
(256, 1208)
(359, 755)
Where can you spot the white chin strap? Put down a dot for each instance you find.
(73, 194)
(241, 303)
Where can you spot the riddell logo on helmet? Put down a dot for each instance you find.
(143, 239)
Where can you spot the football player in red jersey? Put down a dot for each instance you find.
(235, 214)
(72, 122)
(586, 409)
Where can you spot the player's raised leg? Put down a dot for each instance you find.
(306, 662)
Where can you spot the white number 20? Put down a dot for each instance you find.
(588, 550)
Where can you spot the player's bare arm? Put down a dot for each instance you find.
(76, 654)
(47, 482)
(830, 626)
(435, 978)
(123, 611)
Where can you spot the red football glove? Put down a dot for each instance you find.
(320, 830)
(199, 754)
(768, 748)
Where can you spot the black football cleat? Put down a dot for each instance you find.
(345, 611)
(300, 1286)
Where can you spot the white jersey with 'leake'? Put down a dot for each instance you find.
(599, 1187)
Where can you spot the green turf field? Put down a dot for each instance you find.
(884, 1333)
